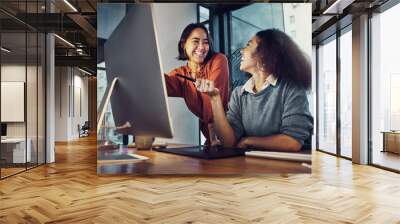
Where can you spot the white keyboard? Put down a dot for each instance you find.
(281, 155)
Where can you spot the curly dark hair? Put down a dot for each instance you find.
(185, 34)
(280, 55)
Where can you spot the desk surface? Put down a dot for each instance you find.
(13, 140)
(166, 163)
(391, 132)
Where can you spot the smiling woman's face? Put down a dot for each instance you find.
(248, 61)
(197, 46)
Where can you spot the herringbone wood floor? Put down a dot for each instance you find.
(69, 191)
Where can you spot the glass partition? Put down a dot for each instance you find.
(13, 95)
(385, 89)
(346, 94)
(22, 88)
(31, 98)
(327, 96)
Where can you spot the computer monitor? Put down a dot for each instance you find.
(139, 98)
(3, 129)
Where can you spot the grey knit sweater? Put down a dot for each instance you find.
(279, 109)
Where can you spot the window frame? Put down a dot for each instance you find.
(335, 36)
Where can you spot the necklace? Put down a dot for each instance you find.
(197, 72)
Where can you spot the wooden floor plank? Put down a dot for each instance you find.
(69, 191)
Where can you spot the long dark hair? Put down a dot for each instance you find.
(280, 55)
(185, 34)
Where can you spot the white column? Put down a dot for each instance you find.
(50, 99)
(50, 92)
(360, 90)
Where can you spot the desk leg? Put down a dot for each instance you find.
(384, 143)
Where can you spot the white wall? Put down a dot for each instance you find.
(170, 21)
(12, 73)
(33, 126)
(61, 103)
(67, 114)
(79, 115)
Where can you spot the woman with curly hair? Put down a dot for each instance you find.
(270, 111)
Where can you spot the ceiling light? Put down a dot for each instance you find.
(338, 6)
(79, 51)
(70, 5)
(5, 50)
(84, 71)
(65, 41)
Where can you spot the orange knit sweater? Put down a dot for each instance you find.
(215, 69)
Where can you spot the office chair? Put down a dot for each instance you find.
(84, 130)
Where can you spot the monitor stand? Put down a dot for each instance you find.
(104, 102)
(102, 111)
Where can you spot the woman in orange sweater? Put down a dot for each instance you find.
(195, 47)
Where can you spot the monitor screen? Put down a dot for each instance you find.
(139, 98)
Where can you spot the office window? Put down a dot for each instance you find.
(245, 23)
(203, 17)
(385, 87)
(293, 34)
(292, 19)
(327, 96)
(204, 14)
(346, 94)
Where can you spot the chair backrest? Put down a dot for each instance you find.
(86, 125)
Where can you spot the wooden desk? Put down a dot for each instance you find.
(391, 141)
(13, 150)
(166, 163)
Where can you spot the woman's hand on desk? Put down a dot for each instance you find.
(243, 143)
(278, 142)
